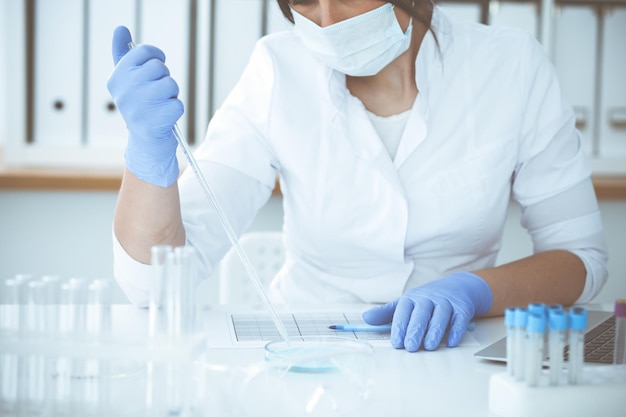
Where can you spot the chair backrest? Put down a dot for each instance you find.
(266, 252)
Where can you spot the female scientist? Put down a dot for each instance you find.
(399, 136)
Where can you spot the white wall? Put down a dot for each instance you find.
(69, 234)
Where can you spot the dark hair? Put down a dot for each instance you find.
(421, 10)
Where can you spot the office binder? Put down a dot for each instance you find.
(233, 42)
(105, 127)
(612, 106)
(165, 24)
(58, 73)
(577, 25)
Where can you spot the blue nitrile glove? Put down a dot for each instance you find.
(425, 313)
(145, 95)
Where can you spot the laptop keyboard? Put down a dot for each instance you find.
(599, 343)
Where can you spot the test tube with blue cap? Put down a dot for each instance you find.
(511, 352)
(578, 324)
(554, 307)
(519, 335)
(535, 329)
(537, 308)
(541, 309)
(557, 322)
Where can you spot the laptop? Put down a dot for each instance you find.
(599, 341)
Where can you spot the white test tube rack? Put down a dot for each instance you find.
(601, 393)
(598, 390)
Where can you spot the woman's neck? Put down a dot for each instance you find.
(393, 89)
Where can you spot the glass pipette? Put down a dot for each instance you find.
(228, 228)
(230, 232)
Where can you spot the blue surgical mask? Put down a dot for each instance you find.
(360, 46)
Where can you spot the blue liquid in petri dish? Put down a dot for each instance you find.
(318, 354)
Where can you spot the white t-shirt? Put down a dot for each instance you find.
(390, 129)
(489, 124)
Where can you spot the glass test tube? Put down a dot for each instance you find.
(181, 310)
(619, 353)
(52, 299)
(577, 325)
(181, 300)
(172, 319)
(521, 317)
(509, 322)
(173, 296)
(25, 331)
(21, 281)
(98, 328)
(50, 305)
(68, 369)
(9, 324)
(156, 322)
(35, 369)
(99, 308)
(536, 328)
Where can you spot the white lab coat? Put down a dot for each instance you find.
(489, 123)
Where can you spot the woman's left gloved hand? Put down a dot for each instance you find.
(424, 314)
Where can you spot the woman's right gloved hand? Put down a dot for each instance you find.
(146, 96)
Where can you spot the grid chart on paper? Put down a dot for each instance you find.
(260, 327)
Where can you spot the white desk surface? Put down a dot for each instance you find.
(445, 382)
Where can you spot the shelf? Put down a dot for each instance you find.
(49, 179)
(30, 179)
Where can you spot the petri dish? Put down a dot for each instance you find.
(323, 376)
(317, 353)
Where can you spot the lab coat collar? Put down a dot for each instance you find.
(351, 123)
(350, 117)
(428, 69)
(429, 65)
(414, 132)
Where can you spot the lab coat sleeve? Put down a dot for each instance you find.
(240, 197)
(239, 162)
(133, 277)
(203, 229)
(552, 178)
(238, 136)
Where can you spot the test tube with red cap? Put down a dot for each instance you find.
(619, 354)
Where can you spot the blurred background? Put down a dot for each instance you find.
(62, 140)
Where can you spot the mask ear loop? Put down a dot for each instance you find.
(393, 6)
(410, 17)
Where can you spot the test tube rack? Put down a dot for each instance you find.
(61, 355)
(567, 389)
(601, 393)
(182, 350)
